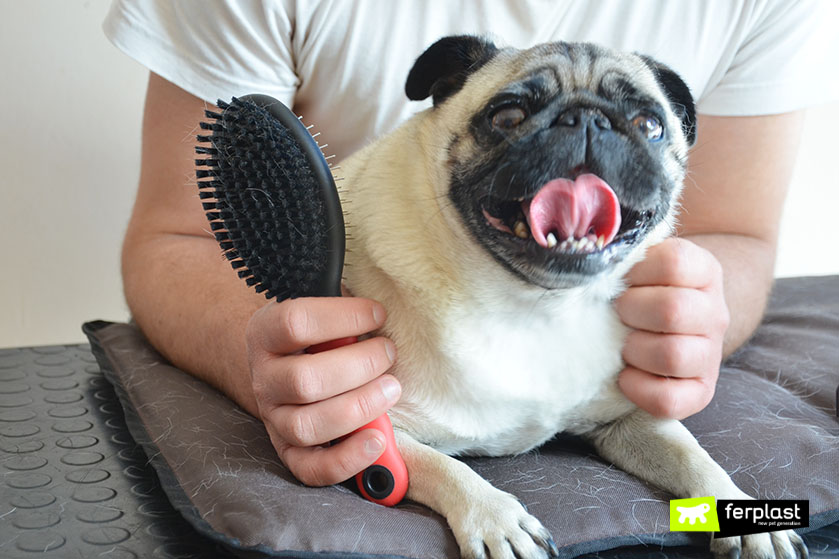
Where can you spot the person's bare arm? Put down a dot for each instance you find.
(738, 179)
(698, 297)
(181, 291)
(195, 310)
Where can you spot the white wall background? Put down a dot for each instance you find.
(69, 163)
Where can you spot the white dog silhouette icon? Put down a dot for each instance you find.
(693, 513)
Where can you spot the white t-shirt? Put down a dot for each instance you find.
(342, 64)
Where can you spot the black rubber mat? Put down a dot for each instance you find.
(75, 484)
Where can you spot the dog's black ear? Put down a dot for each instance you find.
(678, 93)
(443, 68)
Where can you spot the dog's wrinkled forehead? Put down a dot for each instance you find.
(474, 71)
(571, 70)
(570, 67)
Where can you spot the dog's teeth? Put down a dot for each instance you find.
(520, 229)
(573, 246)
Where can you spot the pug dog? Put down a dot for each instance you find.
(495, 227)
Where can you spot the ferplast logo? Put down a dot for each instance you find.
(737, 517)
(694, 515)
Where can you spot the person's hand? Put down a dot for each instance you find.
(676, 308)
(306, 400)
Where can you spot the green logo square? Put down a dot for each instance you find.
(694, 515)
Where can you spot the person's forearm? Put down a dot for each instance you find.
(192, 307)
(748, 270)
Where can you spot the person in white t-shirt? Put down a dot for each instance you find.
(752, 65)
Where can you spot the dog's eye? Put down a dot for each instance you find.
(507, 118)
(649, 126)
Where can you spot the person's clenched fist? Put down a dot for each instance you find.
(675, 306)
(308, 400)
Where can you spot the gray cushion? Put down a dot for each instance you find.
(772, 425)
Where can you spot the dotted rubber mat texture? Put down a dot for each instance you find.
(74, 484)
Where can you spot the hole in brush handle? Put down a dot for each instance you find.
(377, 481)
(386, 481)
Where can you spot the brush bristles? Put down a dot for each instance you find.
(261, 200)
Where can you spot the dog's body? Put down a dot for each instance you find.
(505, 340)
(476, 376)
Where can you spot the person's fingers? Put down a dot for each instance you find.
(676, 262)
(677, 311)
(321, 422)
(320, 465)
(672, 355)
(306, 378)
(673, 310)
(674, 398)
(295, 324)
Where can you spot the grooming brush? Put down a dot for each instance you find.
(273, 207)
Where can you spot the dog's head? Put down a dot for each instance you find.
(563, 160)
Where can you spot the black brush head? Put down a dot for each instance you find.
(270, 199)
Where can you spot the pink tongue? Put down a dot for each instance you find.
(574, 209)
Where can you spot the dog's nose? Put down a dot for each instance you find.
(584, 117)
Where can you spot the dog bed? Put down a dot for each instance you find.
(772, 425)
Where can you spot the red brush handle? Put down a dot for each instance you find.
(331, 344)
(385, 481)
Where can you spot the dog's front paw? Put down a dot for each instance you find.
(774, 545)
(497, 526)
